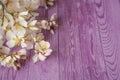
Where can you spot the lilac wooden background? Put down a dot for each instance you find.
(86, 45)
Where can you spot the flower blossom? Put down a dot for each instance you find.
(42, 50)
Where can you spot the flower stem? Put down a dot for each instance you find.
(3, 13)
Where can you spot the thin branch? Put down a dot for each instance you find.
(3, 13)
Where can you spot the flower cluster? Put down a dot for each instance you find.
(20, 28)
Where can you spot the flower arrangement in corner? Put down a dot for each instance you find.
(20, 28)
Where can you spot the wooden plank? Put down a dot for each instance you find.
(89, 49)
(107, 17)
(70, 55)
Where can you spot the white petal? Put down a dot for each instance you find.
(34, 15)
(10, 18)
(5, 50)
(21, 32)
(34, 34)
(48, 52)
(11, 43)
(8, 58)
(38, 57)
(53, 17)
(44, 24)
(5, 22)
(34, 4)
(37, 47)
(23, 44)
(23, 13)
(5, 61)
(32, 23)
(34, 28)
(22, 21)
(35, 58)
(22, 52)
(10, 35)
(0, 6)
(41, 35)
(29, 45)
(41, 57)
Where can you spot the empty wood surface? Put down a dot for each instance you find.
(86, 46)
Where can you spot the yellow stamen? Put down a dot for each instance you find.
(38, 39)
(43, 46)
(29, 8)
(26, 38)
(17, 24)
(8, 28)
(16, 14)
(17, 40)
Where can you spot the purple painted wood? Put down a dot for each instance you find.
(86, 44)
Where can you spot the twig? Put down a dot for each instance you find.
(3, 13)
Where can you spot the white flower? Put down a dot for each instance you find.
(14, 36)
(21, 18)
(44, 24)
(50, 24)
(32, 25)
(37, 37)
(42, 50)
(27, 44)
(43, 45)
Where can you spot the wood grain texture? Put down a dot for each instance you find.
(86, 46)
